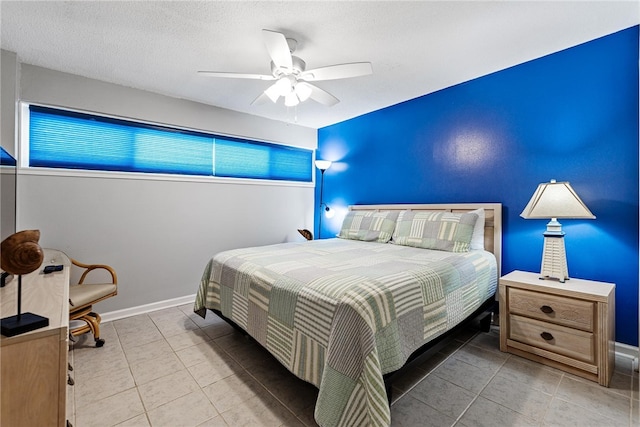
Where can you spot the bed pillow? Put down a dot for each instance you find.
(369, 226)
(443, 231)
(477, 238)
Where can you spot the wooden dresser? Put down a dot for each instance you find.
(33, 376)
(569, 325)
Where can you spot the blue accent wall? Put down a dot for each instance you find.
(570, 116)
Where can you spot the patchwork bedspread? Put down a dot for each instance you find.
(342, 313)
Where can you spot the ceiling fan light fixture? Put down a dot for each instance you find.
(273, 92)
(291, 100)
(284, 85)
(303, 91)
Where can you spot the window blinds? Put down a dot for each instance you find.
(73, 140)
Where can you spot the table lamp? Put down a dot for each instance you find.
(555, 200)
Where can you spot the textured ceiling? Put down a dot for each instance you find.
(415, 47)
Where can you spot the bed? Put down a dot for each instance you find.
(343, 313)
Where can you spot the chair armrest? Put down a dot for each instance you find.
(90, 267)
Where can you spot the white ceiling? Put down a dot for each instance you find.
(415, 47)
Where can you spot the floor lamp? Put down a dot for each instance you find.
(555, 200)
(323, 165)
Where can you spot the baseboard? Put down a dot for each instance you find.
(628, 351)
(147, 308)
(623, 350)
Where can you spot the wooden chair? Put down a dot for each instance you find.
(83, 295)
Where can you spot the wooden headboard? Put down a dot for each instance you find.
(492, 222)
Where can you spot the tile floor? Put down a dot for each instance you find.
(171, 368)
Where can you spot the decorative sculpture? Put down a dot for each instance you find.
(306, 233)
(21, 254)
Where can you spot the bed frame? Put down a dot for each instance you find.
(492, 243)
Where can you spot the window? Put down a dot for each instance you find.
(73, 140)
(6, 159)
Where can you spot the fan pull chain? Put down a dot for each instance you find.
(295, 113)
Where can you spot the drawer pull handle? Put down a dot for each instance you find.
(546, 336)
(546, 309)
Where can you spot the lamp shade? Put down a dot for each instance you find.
(556, 200)
(291, 100)
(284, 85)
(273, 92)
(323, 165)
(303, 90)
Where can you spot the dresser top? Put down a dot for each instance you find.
(577, 288)
(43, 294)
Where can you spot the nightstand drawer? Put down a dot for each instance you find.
(561, 310)
(579, 345)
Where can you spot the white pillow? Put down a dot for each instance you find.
(477, 238)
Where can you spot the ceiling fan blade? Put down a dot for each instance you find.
(278, 48)
(261, 99)
(322, 96)
(237, 75)
(340, 71)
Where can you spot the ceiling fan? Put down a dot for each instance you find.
(291, 77)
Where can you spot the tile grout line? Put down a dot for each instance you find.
(403, 394)
(135, 384)
(553, 396)
(566, 376)
(200, 388)
(634, 375)
(174, 352)
(262, 385)
(144, 407)
(481, 390)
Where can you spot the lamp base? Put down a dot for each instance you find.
(554, 258)
(26, 322)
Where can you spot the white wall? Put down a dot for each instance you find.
(8, 88)
(158, 234)
(7, 201)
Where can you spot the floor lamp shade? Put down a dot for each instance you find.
(323, 165)
(555, 200)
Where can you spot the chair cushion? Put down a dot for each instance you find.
(87, 294)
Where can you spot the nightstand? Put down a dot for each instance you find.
(569, 325)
